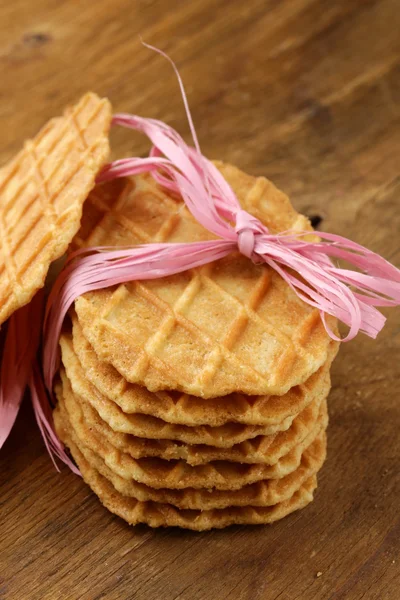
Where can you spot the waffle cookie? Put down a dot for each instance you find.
(42, 192)
(230, 326)
(190, 410)
(265, 449)
(262, 493)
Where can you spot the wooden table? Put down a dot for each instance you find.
(306, 92)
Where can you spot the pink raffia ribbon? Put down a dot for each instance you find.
(20, 349)
(307, 267)
(19, 370)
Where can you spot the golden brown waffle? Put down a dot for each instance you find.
(175, 407)
(260, 450)
(177, 474)
(164, 515)
(231, 326)
(42, 192)
(262, 493)
(145, 426)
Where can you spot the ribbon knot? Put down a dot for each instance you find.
(247, 228)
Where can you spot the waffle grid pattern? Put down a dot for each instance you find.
(224, 329)
(180, 408)
(42, 193)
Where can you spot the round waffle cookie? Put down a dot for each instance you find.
(178, 474)
(163, 515)
(264, 449)
(262, 493)
(42, 192)
(145, 426)
(230, 326)
(176, 407)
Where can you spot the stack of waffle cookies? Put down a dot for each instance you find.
(197, 400)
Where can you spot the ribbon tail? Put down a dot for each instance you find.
(20, 347)
(12, 386)
(20, 370)
(44, 419)
(8, 413)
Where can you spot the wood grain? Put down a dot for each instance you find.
(306, 92)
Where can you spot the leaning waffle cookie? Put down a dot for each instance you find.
(42, 192)
(184, 409)
(230, 326)
(260, 450)
(141, 425)
(163, 515)
(177, 474)
(262, 493)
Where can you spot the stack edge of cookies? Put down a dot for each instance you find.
(196, 400)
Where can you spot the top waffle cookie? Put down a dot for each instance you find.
(230, 326)
(41, 195)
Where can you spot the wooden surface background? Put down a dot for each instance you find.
(306, 92)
